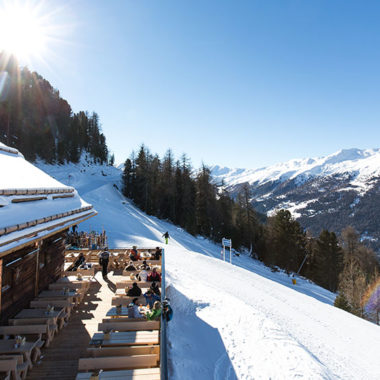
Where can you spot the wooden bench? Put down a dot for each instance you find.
(120, 320)
(118, 362)
(79, 287)
(90, 272)
(126, 338)
(130, 326)
(134, 374)
(43, 331)
(13, 365)
(125, 301)
(124, 284)
(123, 351)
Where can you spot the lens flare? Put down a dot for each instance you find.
(23, 30)
(371, 299)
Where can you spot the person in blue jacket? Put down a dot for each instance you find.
(151, 298)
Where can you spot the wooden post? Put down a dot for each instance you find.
(1, 280)
(36, 286)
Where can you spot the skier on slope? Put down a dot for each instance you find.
(166, 236)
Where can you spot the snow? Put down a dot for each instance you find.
(362, 164)
(293, 207)
(18, 174)
(239, 321)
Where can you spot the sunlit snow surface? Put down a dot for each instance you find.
(240, 321)
(20, 175)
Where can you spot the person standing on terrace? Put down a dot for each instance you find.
(103, 261)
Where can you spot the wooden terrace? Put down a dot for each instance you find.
(80, 341)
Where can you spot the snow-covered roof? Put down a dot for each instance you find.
(33, 204)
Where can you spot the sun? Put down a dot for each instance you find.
(23, 30)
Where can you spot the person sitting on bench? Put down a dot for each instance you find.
(144, 265)
(78, 262)
(130, 267)
(133, 310)
(135, 291)
(155, 289)
(150, 298)
(134, 255)
(143, 275)
(154, 276)
(155, 314)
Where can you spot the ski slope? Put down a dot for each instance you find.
(238, 321)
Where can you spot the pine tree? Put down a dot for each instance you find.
(328, 258)
(128, 177)
(112, 160)
(167, 207)
(285, 241)
(342, 303)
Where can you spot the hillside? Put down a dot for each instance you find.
(240, 321)
(326, 192)
(37, 121)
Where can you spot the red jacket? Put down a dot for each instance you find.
(154, 277)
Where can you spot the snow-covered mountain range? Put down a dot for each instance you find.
(326, 192)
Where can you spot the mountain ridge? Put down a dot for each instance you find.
(328, 192)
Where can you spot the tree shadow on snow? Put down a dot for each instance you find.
(195, 348)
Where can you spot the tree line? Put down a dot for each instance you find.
(39, 123)
(172, 189)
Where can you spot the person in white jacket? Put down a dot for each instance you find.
(143, 275)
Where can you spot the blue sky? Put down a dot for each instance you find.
(234, 83)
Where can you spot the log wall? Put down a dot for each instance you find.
(28, 271)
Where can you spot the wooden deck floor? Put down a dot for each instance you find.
(60, 359)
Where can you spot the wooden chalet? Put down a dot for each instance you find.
(36, 211)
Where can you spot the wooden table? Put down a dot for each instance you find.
(115, 313)
(127, 338)
(73, 282)
(52, 317)
(39, 313)
(71, 296)
(7, 346)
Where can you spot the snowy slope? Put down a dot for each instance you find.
(234, 321)
(363, 163)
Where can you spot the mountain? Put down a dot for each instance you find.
(326, 192)
(239, 321)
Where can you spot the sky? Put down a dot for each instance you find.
(234, 83)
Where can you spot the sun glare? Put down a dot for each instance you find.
(23, 31)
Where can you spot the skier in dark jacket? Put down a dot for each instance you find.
(166, 236)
